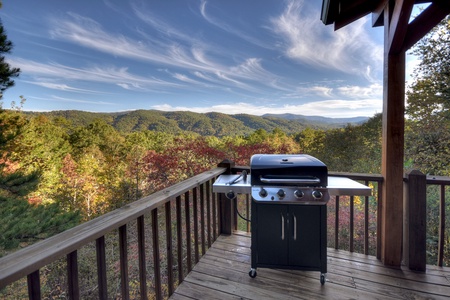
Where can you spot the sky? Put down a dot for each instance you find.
(229, 56)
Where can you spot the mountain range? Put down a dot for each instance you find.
(212, 123)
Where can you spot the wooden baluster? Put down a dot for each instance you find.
(441, 226)
(247, 209)
(208, 212)
(142, 260)
(101, 268)
(366, 222)
(214, 216)
(202, 217)
(72, 276)
(352, 223)
(123, 249)
(336, 225)
(34, 286)
(169, 247)
(156, 256)
(179, 240)
(194, 208)
(188, 232)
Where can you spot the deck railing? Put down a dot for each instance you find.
(197, 216)
(196, 229)
(440, 184)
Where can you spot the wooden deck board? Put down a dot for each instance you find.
(223, 274)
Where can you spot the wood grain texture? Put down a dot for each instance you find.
(223, 274)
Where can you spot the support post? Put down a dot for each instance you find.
(392, 150)
(414, 220)
(226, 215)
(226, 205)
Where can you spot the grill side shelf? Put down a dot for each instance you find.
(337, 186)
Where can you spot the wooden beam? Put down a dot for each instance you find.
(352, 11)
(378, 14)
(398, 24)
(392, 150)
(424, 22)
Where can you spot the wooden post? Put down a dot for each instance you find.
(414, 219)
(226, 205)
(392, 149)
(226, 215)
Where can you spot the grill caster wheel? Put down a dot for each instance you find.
(252, 273)
(322, 279)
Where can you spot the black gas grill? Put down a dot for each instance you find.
(288, 210)
(288, 213)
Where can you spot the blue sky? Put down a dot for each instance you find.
(230, 56)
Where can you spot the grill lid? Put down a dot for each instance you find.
(288, 169)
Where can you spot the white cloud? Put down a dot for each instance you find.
(328, 108)
(349, 50)
(358, 92)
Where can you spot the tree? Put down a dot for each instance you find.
(428, 134)
(6, 71)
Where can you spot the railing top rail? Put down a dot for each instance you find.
(439, 180)
(27, 260)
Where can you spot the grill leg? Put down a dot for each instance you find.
(252, 273)
(323, 278)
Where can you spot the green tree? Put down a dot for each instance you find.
(6, 71)
(428, 98)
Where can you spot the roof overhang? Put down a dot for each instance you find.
(343, 12)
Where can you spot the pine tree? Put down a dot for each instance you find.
(6, 71)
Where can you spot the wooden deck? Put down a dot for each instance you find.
(222, 273)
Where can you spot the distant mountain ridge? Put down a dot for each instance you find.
(207, 124)
(320, 119)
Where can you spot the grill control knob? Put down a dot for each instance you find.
(317, 195)
(263, 193)
(299, 194)
(281, 193)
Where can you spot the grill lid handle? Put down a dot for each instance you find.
(313, 180)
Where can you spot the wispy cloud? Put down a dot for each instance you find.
(70, 100)
(175, 50)
(231, 29)
(60, 86)
(111, 75)
(348, 50)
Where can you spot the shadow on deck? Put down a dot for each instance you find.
(223, 274)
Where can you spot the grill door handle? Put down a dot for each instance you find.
(291, 180)
(282, 227)
(295, 227)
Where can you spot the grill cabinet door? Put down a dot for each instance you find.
(305, 235)
(272, 236)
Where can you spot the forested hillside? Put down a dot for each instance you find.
(89, 169)
(209, 124)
